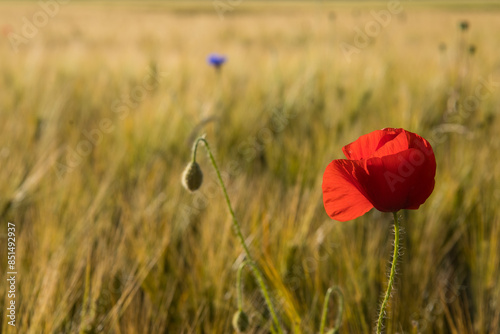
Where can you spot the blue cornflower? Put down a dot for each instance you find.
(216, 60)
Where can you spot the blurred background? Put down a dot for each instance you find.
(100, 102)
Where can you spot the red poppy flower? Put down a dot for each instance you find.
(389, 169)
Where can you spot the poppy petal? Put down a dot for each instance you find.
(397, 144)
(365, 146)
(343, 196)
(415, 141)
(399, 181)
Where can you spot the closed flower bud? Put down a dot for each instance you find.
(240, 322)
(192, 178)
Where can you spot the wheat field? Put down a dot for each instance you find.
(100, 104)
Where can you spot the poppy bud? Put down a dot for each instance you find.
(240, 321)
(192, 178)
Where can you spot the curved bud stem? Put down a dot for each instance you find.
(391, 276)
(236, 225)
(340, 309)
(195, 147)
(239, 288)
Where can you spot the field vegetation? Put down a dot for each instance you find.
(99, 110)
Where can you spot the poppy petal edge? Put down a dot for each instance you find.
(343, 197)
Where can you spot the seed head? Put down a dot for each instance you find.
(464, 25)
(472, 49)
(192, 178)
(240, 322)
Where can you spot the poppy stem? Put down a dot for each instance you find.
(239, 288)
(391, 276)
(236, 225)
(340, 310)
